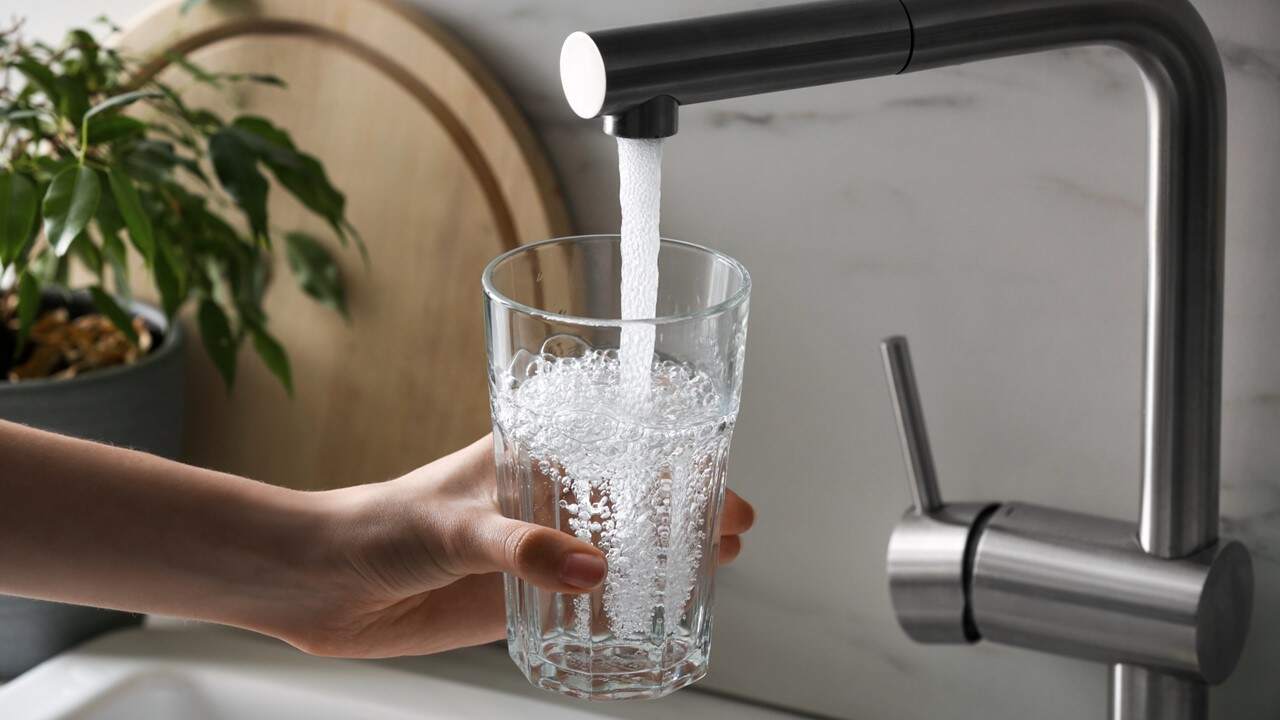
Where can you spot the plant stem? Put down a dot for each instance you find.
(84, 141)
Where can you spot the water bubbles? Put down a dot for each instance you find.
(633, 478)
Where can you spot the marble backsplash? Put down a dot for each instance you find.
(994, 214)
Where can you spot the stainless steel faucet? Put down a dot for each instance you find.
(1163, 601)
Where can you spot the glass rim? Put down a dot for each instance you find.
(719, 308)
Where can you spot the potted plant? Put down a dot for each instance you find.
(177, 193)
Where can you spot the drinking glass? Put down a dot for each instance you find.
(636, 469)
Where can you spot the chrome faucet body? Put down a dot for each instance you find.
(1162, 600)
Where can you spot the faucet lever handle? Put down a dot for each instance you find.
(903, 390)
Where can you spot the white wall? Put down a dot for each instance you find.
(994, 214)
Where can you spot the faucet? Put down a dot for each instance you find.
(1163, 601)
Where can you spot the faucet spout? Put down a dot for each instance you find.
(611, 73)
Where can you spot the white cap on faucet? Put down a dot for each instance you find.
(582, 74)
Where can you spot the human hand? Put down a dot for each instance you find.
(413, 565)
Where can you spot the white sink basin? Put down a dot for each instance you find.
(208, 673)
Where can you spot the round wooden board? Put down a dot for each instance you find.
(440, 174)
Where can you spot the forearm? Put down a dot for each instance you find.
(87, 523)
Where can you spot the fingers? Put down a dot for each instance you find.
(730, 546)
(551, 559)
(737, 516)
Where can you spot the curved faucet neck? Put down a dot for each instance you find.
(1182, 373)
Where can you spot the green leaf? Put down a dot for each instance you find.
(260, 131)
(109, 128)
(205, 118)
(106, 21)
(194, 70)
(116, 314)
(273, 356)
(168, 282)
(40, 76)
(61, 270)
(28, 305)
(153, 161)
(108, 217)
(364, 250)
(47, 268)
(73, 98)
(28, 114)
(111, 103)
(216, 79)
(307, 182)
(315, 270)
(120, 101)
(87, 46)
(17, 214)
(179, 108)
(135, 218)
(263, 78)
(176, 133)
(301, 174)
(47, 167)
(69, 204)
(257, 276)
(88, 253)
(218, 340)
(193, 167)
(237, 168)
(271, 144)
(81, 38)
(113, 251)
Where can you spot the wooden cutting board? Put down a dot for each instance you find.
(441, 173)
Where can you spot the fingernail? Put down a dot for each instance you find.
(582, 570)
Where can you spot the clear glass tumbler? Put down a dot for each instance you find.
(635, 468)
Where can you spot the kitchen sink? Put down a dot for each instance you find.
(201, 672)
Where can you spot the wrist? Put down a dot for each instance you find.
(289, 561)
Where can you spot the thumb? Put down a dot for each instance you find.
(551, 559)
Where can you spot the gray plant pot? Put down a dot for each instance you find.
(137, 406)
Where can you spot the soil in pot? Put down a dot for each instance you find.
(68, 338)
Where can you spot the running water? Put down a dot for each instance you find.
(640, 196)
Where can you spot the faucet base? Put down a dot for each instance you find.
(1082, 586)
(1070, 584)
